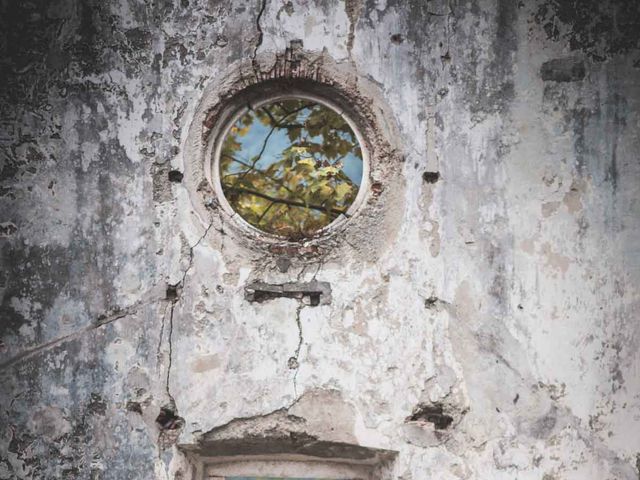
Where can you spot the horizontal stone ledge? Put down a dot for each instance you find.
(310, 293)
(304, 446)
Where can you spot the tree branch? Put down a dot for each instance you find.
(273, 128)
(291, 203)
(278, 182)
(264, 212)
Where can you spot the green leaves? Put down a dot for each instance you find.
(290, 167)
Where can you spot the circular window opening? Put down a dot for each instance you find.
(291, 166)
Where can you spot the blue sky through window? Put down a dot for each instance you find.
(252, 142)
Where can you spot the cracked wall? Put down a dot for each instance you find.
(489, 328)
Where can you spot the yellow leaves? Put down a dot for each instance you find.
(307, 161)
(322, 190)
(236, 130)
(342, 190)
(300, 150)
(251, 203)
(296, 181)
(327, 171)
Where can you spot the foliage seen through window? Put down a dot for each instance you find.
(291, 167)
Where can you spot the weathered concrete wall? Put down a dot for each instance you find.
(498, 303)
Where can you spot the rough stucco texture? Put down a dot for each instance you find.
(495, 335)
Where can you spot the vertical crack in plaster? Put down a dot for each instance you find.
(184, 275)
(446, 57)
(169, 423)
(170, 344)
(321, 263)
(171, 307)
(254, 60)
(161, 336)
(294, 362)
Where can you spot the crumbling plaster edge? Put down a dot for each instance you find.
(377, 217)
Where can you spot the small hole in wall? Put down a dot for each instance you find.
(431, 413)
(134, 407)
(290, 166)
(431, 177)
(171, 293)
(168, 419)
(175, 176)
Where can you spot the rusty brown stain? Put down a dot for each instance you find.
(205, 363)
(556, 261)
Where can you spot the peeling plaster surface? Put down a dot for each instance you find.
(504, 293)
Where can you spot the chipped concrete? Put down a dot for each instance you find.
(483, 313)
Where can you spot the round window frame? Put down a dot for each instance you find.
(212, 172)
